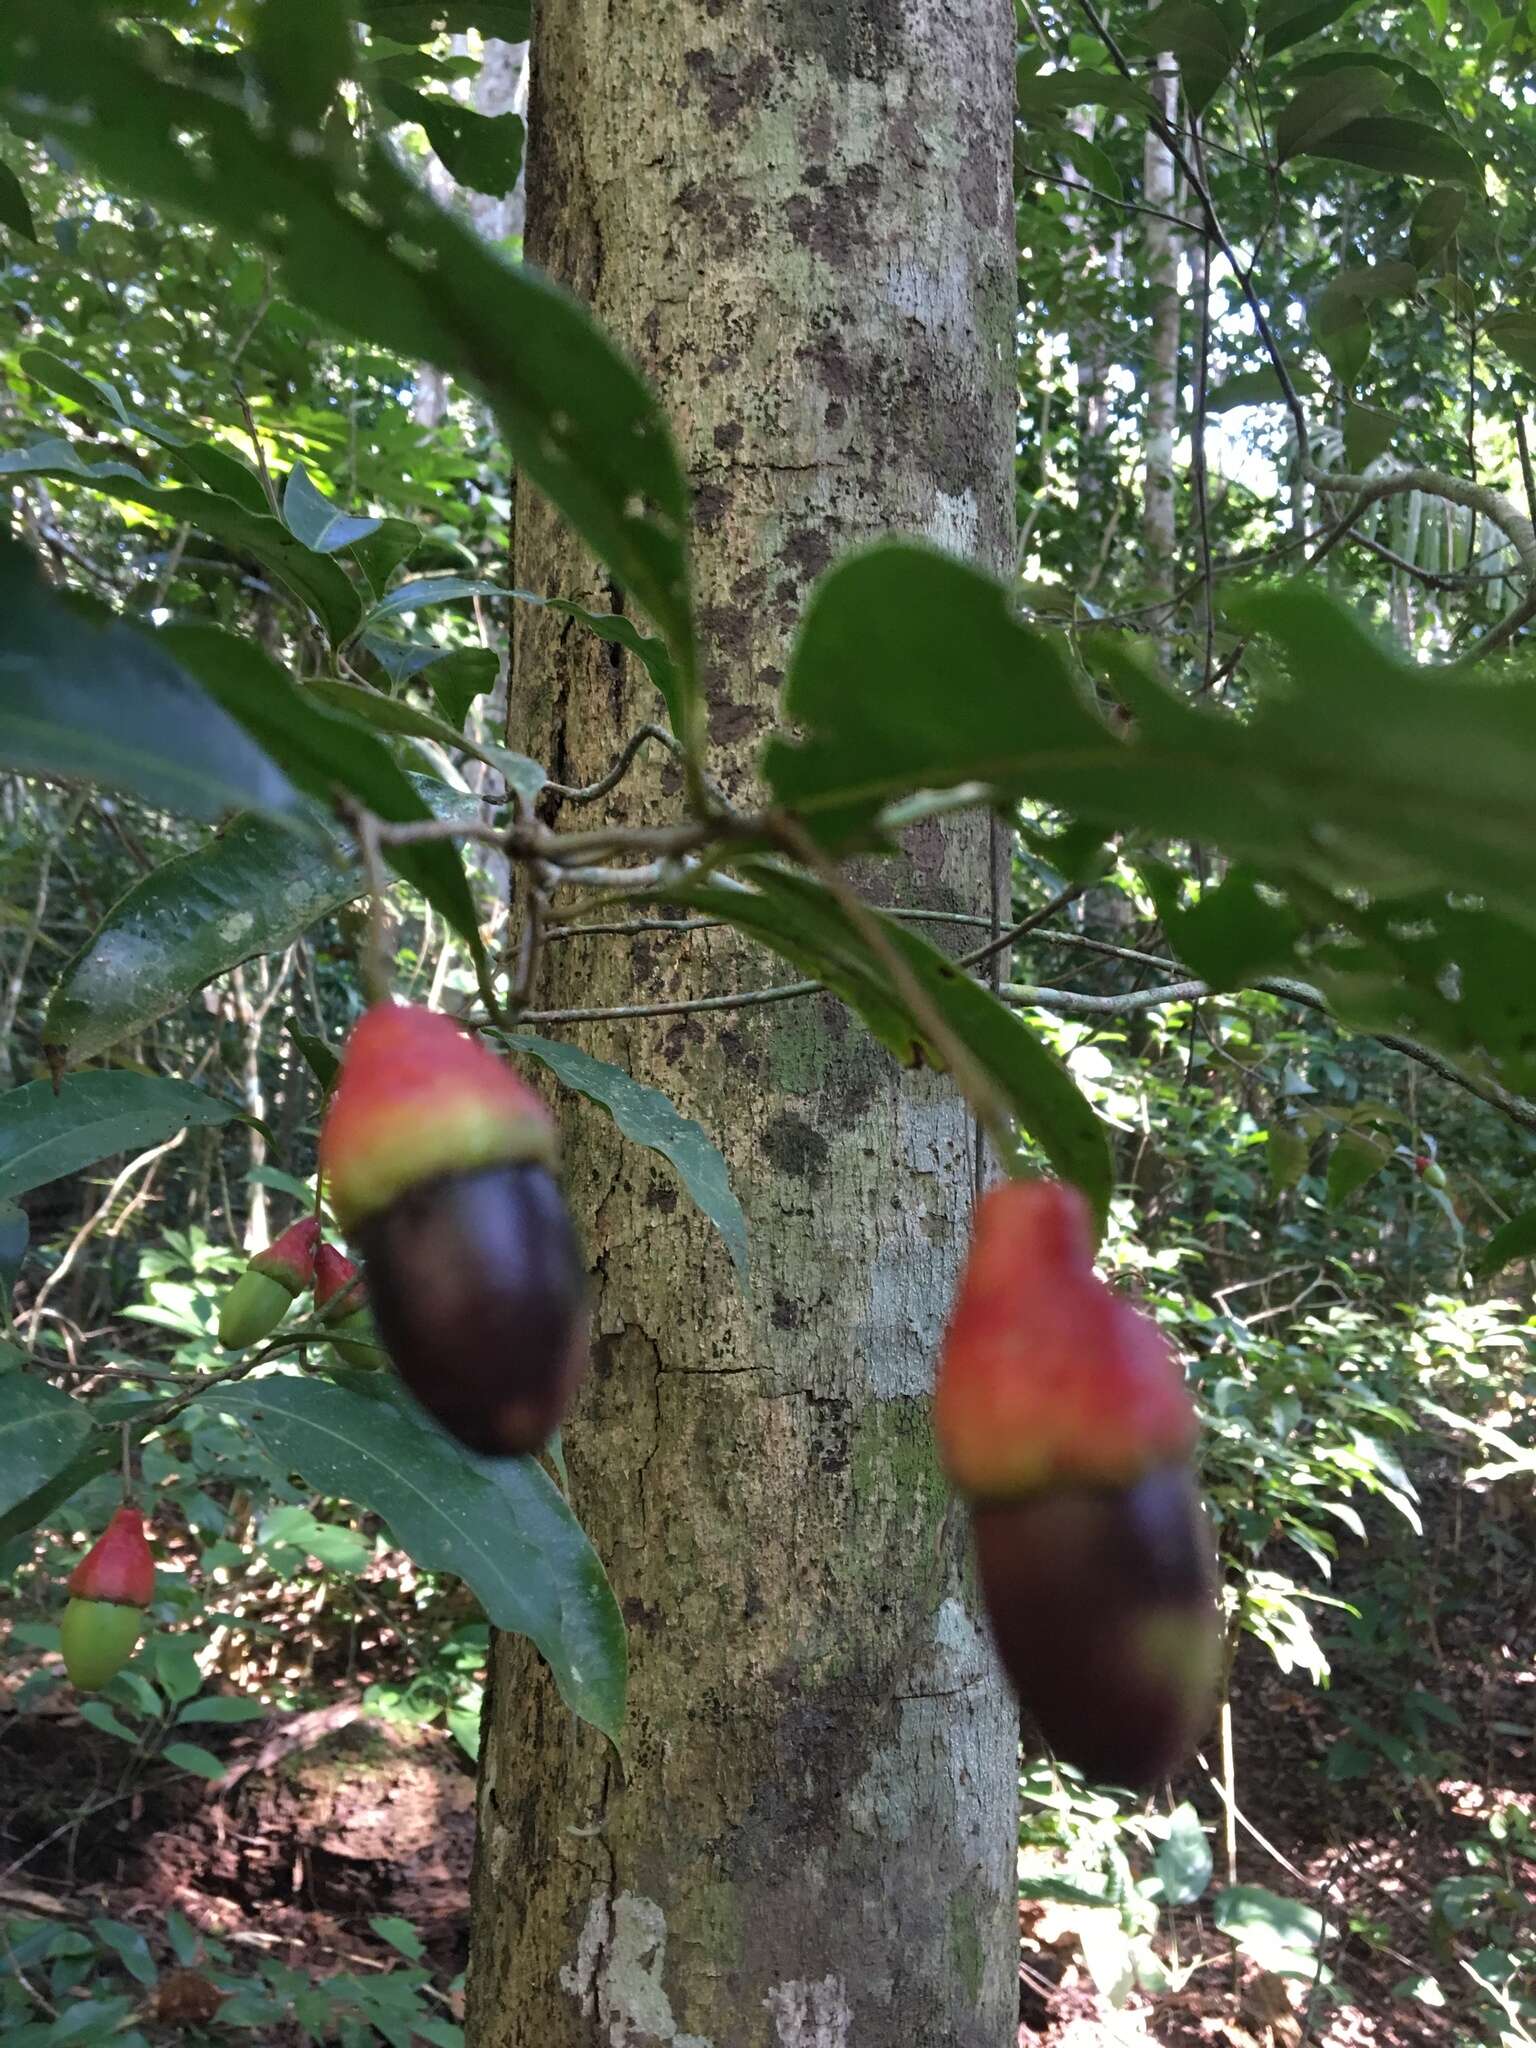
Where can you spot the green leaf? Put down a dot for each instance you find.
(252, 889)
(647, 1117)
(502, 1525)
(191, 1756)
(15, 212)
(1054, 92)
(1394, 145)
(311, 516)
(322, 1062)
(1435, 223)
(224, 1708)
(425, 591)
(101, 1454)
(1515, 334)
(1206, 36)
(393, 714)
(1184, 1857)
(675, 687)
(46, 1132)
(368, 250)
(1258, 387)
(380, 554)
(1284, 22)
(15, 1231)
(400, 1934)
(881, 627)
(1325, 105)
(1513, 1240)
(458, 679)
(803, 923)
(110, 705)
(320, 584)
(175, 1662)
(301, 51)
(1275, 1931)
(130, 1945)
(482, 151)
(1367, 433)
(423, 21)
(322, 753)
(42, 1432)
(1286, 1154)
(101, 1716)
(1356, 1157)
(222, 471)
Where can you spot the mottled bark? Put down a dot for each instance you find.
(797, 217)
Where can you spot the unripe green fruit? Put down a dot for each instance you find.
(365, 1351)
(1434, 1176)
(97, 1638)
(252, 1309)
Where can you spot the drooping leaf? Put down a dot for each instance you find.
(1279, 1933)
(381, 553)
(310, 515)
(300, 51)
(650, 651)
(1324, 105)
(324, 754)
(458, 679)
(1286, 1154)
(42, 1432)
(102, 1451)
(502, 1526)
(803, 922)
(109, 705)
(1258, 387)
(1513, 1240)
(15, 211)
(649, 1118)
(482, 151)
(253, 889)
(1515, 334)
(366, 249)
(1368, 432)
(882, 629)
(1184, 1857)
(1435, 223)
(393, 714)
(1284, 22)
(1396, 145)
(422, 21)
(46, 1132)
(425, 591)
(217, 467)
(1357, 1157)
(315, 580)
(1206, 36)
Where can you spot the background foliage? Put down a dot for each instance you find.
(1259, 714)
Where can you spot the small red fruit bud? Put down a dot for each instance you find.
(119, 1565)
(339, 1289)
(109, 1590)
(1047, 1377)
(341, 1299)
(290, 1258)
(270, 1284)
(439, 1162)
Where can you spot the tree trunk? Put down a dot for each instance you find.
(1162, 261)
(797, 217)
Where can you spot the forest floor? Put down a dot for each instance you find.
(329, 1820)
